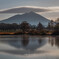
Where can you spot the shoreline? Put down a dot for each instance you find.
(13, 33)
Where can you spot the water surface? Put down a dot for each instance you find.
(29, 47)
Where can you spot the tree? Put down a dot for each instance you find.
(56, 29)
(40, 26)
(24, 26)
(51, 25)
(40, 29)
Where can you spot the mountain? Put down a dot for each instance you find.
(30, 17)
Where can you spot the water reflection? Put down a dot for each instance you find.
(57, 41)
(54, 41)
(26, 42)
(30, 42)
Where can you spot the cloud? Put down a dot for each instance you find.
(25, 9)
(54, 9)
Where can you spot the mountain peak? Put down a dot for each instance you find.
(31, 12)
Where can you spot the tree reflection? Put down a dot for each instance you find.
(40, 41)
(51, 40)
(25, 40)
(57, 41)
(19, 42)
(54, 41)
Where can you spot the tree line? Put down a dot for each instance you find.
(26, 28)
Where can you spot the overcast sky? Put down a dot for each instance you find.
(51, 4)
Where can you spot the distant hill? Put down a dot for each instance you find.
(30, 17)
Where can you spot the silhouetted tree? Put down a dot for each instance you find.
(56, 29)
(24, 26)
(7, 27)
(40, 26)
(51, 25)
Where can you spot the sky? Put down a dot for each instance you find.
(52, 5)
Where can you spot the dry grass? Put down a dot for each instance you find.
(6, 33)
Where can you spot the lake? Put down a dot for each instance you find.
(29, 47)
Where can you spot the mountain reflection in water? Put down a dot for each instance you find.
(26, 42)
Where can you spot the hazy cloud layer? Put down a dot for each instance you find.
(25, 9)
(29, 9)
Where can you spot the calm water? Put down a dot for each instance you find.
(29, 47)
